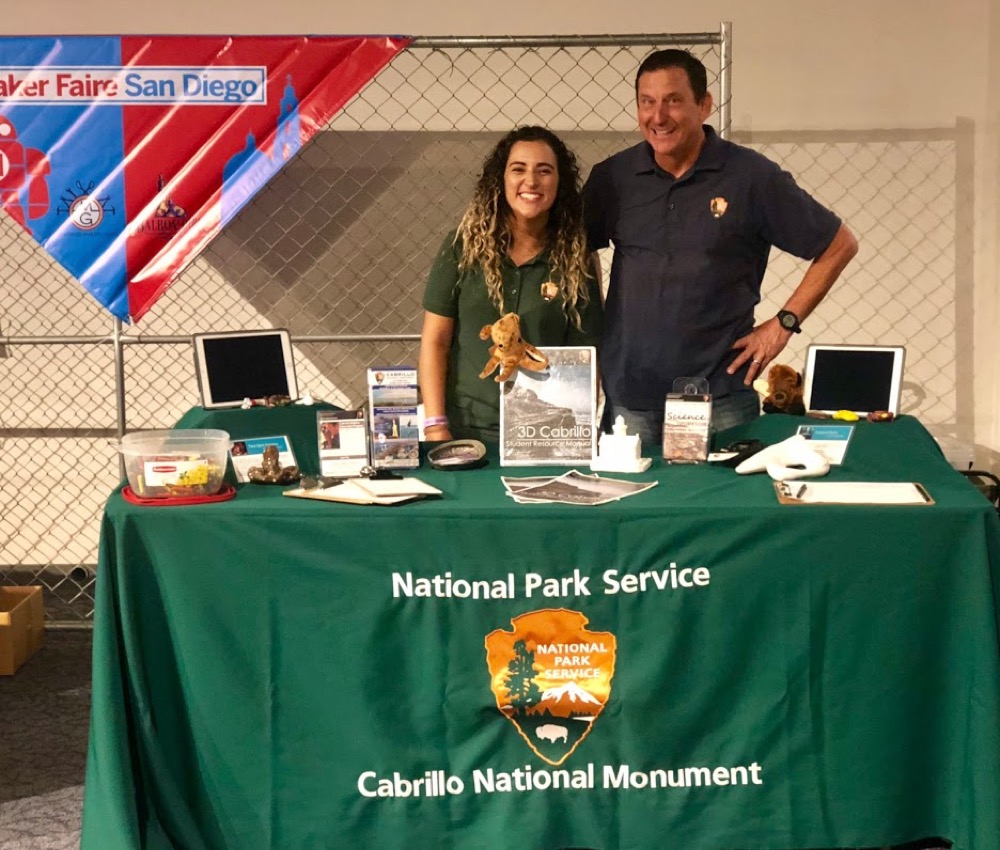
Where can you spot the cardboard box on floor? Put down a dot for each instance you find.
(22, 626)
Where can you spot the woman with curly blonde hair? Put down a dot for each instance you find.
(519, 248)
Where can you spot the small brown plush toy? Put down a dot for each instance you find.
(782, 391)
(509, 350)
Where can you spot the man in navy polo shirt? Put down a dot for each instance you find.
(692, 218)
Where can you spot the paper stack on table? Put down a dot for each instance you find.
(572, 488)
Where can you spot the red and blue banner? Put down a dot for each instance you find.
(124, 156)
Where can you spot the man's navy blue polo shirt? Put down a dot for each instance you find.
(690, 255)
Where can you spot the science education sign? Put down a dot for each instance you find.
(124, 156)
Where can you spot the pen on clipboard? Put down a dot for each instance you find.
(800, 491)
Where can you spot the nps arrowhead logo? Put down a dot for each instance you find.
(551, 677)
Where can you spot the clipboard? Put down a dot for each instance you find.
(851, 493)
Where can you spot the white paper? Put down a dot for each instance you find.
(397, 487)
(858, 493)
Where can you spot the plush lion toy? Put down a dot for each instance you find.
(782, 391)
(509, 350)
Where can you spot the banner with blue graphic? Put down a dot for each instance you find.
(124, 156)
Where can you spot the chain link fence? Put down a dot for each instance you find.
(336, 248)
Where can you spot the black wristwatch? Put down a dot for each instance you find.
(789, 321)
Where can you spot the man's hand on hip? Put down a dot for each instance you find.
(759, 348)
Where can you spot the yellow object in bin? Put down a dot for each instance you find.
(22, 626)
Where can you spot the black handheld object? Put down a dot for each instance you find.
(742, 449)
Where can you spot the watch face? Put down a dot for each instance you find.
(788, 320)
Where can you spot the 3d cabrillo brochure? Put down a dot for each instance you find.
(547, 418)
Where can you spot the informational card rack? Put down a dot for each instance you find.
(547, 417)
(687, 427)
(343, 442)
(249, 452)
(393, 397)
(829, 440)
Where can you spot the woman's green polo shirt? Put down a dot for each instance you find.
(473, 404)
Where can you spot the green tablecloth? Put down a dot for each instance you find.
(831, 679)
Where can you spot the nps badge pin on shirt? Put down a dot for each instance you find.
(718, 206)
(549, 290)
